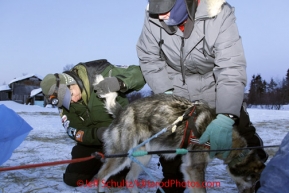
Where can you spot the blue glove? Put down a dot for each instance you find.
(219, 134)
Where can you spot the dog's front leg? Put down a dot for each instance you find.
(132, 181)
(193, 168)
(101, 185)
(110, 167)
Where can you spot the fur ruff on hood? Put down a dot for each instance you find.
(214, 7)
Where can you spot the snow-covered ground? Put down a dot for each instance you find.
(48, 142)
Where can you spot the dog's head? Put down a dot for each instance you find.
(246, 171)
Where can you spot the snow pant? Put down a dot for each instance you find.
(171, 172)
(81, 173)
(171, 168)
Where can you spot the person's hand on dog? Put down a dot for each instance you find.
(107, 85)
(219, 134)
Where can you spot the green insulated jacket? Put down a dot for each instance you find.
(212, 56)
(89, 114)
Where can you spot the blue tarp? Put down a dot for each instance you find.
(275, 177)
(13, 131)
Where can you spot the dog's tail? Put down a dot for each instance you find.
(110, 98)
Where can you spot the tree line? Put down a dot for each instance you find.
(271, 95)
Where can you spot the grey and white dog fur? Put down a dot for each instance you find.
(145, 117)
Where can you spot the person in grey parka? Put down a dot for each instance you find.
(192, 48)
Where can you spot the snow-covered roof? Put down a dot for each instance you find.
(24, 77)
(4, 87)
(35, 92)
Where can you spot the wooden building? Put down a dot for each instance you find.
(5, 93)
(21, 89)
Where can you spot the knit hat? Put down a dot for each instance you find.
(178, 13)
(160, 6)
(48, 85)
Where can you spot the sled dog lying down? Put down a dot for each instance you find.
(145, 117)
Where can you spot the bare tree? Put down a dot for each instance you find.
(68, 67)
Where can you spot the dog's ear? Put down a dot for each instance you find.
(98, 79)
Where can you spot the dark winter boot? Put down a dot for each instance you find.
(81, 173)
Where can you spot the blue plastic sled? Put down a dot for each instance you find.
(13, 131)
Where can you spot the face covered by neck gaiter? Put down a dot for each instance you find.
(178, 13)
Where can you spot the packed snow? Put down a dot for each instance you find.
(48, 142)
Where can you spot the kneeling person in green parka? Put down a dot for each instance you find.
(83, 114)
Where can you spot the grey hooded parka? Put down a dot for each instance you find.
(212, 57)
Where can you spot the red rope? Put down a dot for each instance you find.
(47, 164)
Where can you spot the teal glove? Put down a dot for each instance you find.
(219, 133)
(169, 92)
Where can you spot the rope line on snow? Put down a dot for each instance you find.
(46, 164)
(134, 154)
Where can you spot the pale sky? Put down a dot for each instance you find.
(43, 36)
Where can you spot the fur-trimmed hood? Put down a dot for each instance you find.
(205, 69)
(209, 8)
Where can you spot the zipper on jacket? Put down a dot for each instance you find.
(182, 60)
(204, 41)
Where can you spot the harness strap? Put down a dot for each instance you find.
(188, 132)
(191, 133)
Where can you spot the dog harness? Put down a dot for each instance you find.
(191, 134)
